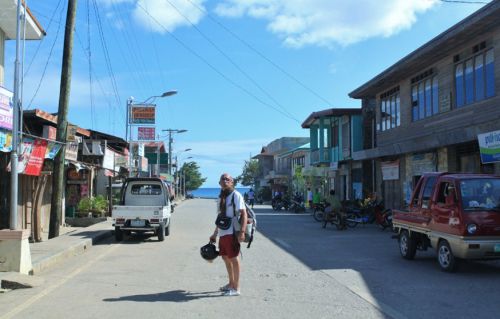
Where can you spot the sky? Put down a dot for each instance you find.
(247, 72)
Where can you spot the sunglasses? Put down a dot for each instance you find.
(227, 179)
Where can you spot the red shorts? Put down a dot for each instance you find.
(228, 247)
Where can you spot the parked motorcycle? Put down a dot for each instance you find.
(319, 212)
(374, 211)
(278, 204)
(335, 218)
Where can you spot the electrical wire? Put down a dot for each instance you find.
(248, 45)
(245, 74)
(193, 52)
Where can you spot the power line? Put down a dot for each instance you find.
(189, 49)
(467, 2)
(232, 62)
(260, 54)
(48, 60)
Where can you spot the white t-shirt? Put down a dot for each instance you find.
(239, 203)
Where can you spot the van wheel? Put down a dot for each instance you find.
(446, 260)
(407, 245)
(167, 229)
(118, 234)
(161, 232)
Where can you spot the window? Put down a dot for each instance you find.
(475, 79)
(390, 112)
(335, 134)
(426, 195)
(146, 189)
(424, 98)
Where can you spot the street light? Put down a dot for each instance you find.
(170, 131)
(128, 123)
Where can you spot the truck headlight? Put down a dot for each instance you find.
(471, 228)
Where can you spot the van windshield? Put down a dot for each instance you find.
(480, 194)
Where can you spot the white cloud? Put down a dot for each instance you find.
(326, 22)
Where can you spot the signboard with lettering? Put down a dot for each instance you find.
(390, 170)
(489, 147)
(146, 133)
(142, 114)
(37, 156)
(6, 111)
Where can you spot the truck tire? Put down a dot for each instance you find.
(118, 234)
(167, 229)
(160, 231)
(445, 257)
(407, 245)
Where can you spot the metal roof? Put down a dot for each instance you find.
(330, 112)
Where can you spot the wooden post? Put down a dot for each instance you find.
(62, 123)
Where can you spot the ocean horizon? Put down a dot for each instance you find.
(213, 192)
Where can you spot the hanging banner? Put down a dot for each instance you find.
(143, 114)
(37, 156)
(52, 150)
(71, 151)
(24, 155)
(6, 108)
(5, 141)
(489, 147)
(71, 133)
(146, 133)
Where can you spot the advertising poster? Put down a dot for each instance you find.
(52, 149)
(35, 161)
(71, 151)
(143, 114)
(489, 147)
(24, 155)
(5, 141)
(6, 105)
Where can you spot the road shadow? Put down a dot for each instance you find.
(168, 296)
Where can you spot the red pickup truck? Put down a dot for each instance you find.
(456, 214)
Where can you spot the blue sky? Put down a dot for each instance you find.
(246, 72)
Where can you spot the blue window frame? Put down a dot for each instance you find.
(425, 98)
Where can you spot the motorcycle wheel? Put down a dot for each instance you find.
(351, 220)
(319, 215)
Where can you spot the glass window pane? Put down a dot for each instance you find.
(479, 77)
(459, 85)
(428, 102)
(388, 113)
(398, 111)
(421, 101)
(490, 74)
(435, 96)
(393, 111)
(382, 115)
(414, 103)
(469, 82)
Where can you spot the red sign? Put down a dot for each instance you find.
(145, 133)
(35, 162)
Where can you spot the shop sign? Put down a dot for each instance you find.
(489, 147)
(390, 170)
(5, 141)
(71, 132)
(143, 114)
(108, 161)
(71, 151)
(37, 156)
(6, 108)
(334, 166)
(146, 133)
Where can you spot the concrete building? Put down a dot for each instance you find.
(429, 111)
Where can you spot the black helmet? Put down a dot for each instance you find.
(209, 251)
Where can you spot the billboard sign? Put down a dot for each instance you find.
(489, 147)
(142, 114)
(6, 108)
(146, 133)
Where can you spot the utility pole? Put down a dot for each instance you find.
(62, 123)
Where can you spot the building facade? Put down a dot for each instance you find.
(429, 110)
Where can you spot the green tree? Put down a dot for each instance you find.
(193, 176)
(251, 170)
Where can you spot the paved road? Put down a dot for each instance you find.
(295, 269)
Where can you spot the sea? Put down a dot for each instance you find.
(208, 192)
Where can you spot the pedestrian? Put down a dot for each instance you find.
(229, 239)
(310, 197)
(316, 197)
(251, 197)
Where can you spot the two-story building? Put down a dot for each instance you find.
(335, 134)
(427, 111)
